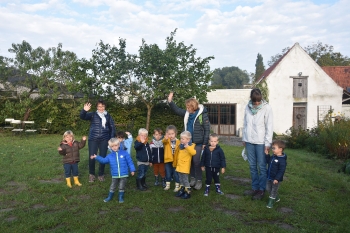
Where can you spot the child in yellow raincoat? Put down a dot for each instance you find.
(182, 162)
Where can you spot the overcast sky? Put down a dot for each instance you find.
(233, 31)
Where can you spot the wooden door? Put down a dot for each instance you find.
(299, 117)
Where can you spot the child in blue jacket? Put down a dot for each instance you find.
(120, 164)
(277, 164)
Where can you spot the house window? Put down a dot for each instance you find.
(221, 114)
(213, 114)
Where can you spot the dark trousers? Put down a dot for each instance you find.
(101, 147)
(272, 188)
(212, 173)
(196, 170)
(142, 170)
(70, 169)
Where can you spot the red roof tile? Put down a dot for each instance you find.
(340, 74)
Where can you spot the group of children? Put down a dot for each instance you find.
(170, 158)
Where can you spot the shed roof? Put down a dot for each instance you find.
(340, 74)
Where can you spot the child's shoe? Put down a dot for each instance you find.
(271, 202)
(177, 187)
(167, 187)
(156, 182)
(143, 182)
(180, 192)
(206, 192)
(110, 197)
(139, 185)
(187, 193)
(277, 199)
(163, 183)
(121, 196)
(69, 184)
(218, 190)
(76, 181)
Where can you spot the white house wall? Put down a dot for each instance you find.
(346, 110)
(322, 90)
(240, 97)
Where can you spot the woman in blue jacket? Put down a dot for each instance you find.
(102, 129)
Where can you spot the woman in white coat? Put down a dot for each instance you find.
(257, 138)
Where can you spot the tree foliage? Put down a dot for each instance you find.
(229, 78)
(323, 54)
(259, 67)
(149, 75)
(34, 74)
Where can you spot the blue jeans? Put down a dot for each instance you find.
(95, 146)
(257, 165)
(142, 170)
(170, 172)
(70, 169)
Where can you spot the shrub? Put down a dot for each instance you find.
(328, 138)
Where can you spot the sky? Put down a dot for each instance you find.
(233, 31)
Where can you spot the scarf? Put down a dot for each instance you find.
(255, 108)
(103, 117)
(158, 144)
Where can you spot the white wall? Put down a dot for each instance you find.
(240, 97)
(322, 90)
(346, 110)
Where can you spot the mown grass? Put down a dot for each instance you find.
(35, 198)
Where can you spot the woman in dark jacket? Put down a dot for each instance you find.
(196, 121)
(102, 129)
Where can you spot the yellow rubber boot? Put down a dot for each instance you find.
(76, 181)
(68, 182)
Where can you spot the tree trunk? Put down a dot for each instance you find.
(27, 114)
(149, 110)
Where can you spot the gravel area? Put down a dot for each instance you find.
(231, 140)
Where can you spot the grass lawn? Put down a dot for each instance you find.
(35, 198)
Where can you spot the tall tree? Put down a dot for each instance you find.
(230, 78)
(151, 74)
(259, 67)
(34, 73)
(323, 54)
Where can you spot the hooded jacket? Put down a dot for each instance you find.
(168, 154)
(215, 158)
(97, 132)
(182, 160)
(157, 152)
(201, 131)
(276, 167)
(143, 151)
(71, 153)
(258, 128)
(120, 163)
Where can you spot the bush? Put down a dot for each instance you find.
(328, 138)
(297, 138)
